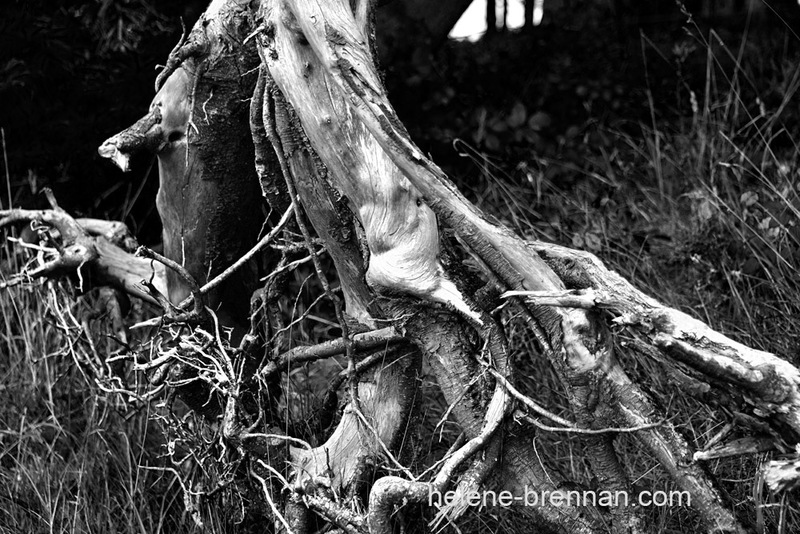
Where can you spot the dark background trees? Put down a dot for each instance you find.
(74, 71)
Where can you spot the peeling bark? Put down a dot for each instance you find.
(375, 423)
(401, 230)
(390, 184)
(208, 197)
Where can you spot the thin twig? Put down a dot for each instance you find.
(382, 355)
(585, 299)
(284, 266)
(272, 135)
(460, 440)
(254, 435)
(335, 513)
(245, 257)
(362, 341)
(527, 401)
(589, 431)
(199, 302)
(269, 500)
(495, 414)
(383, 446)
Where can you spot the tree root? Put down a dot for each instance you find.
(771, 384)
(73, 250)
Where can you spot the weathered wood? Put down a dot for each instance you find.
(208, 197)
(326, 126)
(376, 422)
(381, 197)
(92, 256)
(770, 383)
(400, 230)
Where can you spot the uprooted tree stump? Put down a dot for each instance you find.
(342, 178)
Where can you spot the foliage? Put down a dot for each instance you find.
(70, 74)
(74, 455)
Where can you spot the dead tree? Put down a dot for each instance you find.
(334, 161)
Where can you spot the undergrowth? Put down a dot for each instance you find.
(74, 457)
(697, 206)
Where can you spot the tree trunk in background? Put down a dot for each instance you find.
(491, 17)
(529, 5)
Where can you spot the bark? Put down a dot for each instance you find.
(373, 424)
(400, 230)
(390, 200)
(208, 197)
(770, 384)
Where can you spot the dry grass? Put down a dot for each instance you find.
(703, 213)
(72, 458)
